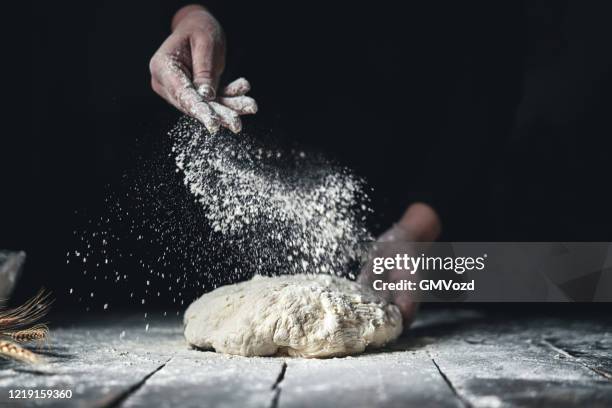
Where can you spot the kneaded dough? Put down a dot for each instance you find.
(295, 315)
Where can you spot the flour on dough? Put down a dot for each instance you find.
(295, 315)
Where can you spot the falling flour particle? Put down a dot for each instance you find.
(297, 315)
(278, 211)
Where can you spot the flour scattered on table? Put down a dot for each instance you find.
(296, 315)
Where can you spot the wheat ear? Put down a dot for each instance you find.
(38, 332)
(16, 352)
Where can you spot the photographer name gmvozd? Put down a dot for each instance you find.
(424, 285)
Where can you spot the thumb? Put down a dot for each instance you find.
(208, 62)
(421, 223)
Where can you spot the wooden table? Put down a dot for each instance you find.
(457, 358)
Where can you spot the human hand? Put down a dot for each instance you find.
(185, 71)
(420, 223)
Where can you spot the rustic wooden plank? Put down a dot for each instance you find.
(207, 379)
(589, 343)
(96, 361)
(501, 363)
(449, 358)
(403, 374)
(388, 378)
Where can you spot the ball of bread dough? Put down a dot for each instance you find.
(295, 315)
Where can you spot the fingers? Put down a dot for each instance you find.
(238, 87)
(208, 62)
(407, 306)
(207, 91)
(244, 105)
(422, 222)
(158, 88)
(227, 116)
(170, 80)
(205, 114)
(187, 98)
(204, 77)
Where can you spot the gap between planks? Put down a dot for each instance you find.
(567, 354)
(276, 386)
(117, 400)
(464, 402)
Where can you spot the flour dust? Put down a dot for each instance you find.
(213, 210)
(282, 212)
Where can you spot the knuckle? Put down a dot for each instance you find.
(202, 73)
(154, 65)
(155, 86)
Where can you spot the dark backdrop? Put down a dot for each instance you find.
(496, 113)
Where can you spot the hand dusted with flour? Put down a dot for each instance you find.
(185, 72)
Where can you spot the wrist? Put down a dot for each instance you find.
(184, 12)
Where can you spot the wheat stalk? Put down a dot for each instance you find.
(16, 352)
(16, 325)
(26, 314)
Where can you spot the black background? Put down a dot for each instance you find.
(496, 113)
